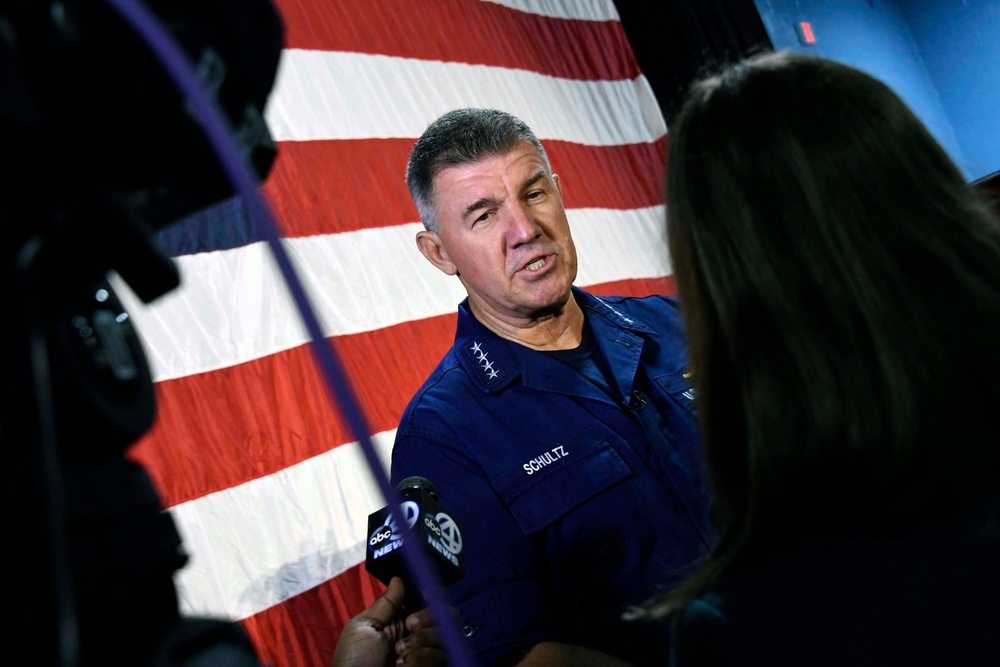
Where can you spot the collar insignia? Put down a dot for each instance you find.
(481, 357)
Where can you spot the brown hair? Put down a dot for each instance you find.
(840, 282)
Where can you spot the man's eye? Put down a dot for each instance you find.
(535, 194)
(483, 218)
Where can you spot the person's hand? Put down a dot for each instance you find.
(367, 640)
(422, 647)
(377, 637)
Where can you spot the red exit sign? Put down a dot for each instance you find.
(805, 32)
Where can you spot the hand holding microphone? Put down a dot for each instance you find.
(379, 634)
(432, 529)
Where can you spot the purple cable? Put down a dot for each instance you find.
(176, 63)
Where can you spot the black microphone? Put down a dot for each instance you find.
(433, 528)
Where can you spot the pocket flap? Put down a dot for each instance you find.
(559, 479)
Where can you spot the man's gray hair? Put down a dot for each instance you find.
(459, 137)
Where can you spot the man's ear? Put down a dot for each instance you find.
(558, 182)
(430, 247)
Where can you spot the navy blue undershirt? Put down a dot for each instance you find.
(587, 360)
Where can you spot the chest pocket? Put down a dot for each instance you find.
(561, 478)
(680, 388)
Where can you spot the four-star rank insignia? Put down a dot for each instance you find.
(482, 359)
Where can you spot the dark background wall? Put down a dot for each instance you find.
(675, 41)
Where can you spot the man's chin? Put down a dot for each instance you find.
(552, 305)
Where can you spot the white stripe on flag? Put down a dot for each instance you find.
(585, 10)
(255, 545)
(233, 306)
(339, 95)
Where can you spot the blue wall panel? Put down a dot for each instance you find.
(960, 44)
(941, 56)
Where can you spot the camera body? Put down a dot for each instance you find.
(106, 153)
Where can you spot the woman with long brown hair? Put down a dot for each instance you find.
(840, 283)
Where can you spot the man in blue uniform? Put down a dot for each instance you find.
(560, 428)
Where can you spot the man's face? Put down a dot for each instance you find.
(503, 230)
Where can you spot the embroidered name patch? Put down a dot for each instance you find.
(548, 458)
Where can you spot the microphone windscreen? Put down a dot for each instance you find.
(416, 483)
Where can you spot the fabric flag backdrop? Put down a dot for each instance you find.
(251, 457)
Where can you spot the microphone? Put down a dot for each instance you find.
(431, 527)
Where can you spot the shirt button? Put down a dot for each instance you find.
(470, 630)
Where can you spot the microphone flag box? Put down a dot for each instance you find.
(437, 532)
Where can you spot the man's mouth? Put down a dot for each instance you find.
(537, 264)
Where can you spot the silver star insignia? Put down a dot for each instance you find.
(475, 348)
(493, 373)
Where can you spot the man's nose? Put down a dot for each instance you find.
(521, 226)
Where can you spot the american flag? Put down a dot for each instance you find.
(260, 472)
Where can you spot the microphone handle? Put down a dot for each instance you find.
(413, 601)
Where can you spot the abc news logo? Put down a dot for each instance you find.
(443, 536)
(444, 528)
(379, 536)
(441, 530)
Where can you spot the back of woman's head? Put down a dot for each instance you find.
(841, 284)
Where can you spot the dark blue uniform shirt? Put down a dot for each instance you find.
(574, 504)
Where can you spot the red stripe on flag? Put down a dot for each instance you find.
(281, 637)
(636, 287)
(325, 187)
(226, 427)
(215, 430)
(482, 33)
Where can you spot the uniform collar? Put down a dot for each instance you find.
(486, 357)
(492, 362)
(614, 316)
